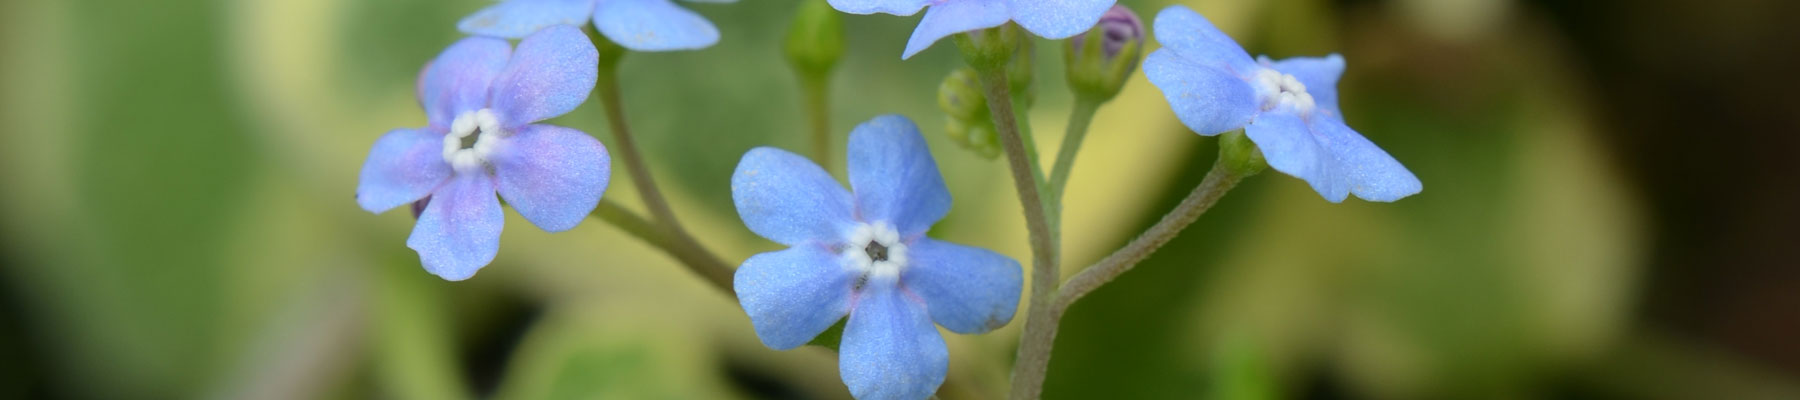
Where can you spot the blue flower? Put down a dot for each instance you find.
(1288, 107)
(865, 254)
(482, 98)
(641, 25)
(1054, 19)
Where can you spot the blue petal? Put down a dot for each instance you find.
(953, 17)
(1194, 38)
(788, 199)
(552, 175)
(895, 178)
(653, 25)
(459, 232)
(890, 350)
(404, 166)
(552, 72)
(515, 19)
(1290, 147)
(967, 289)
(792, 295)
(457, 80)
(1058, 19)
(1370, 173)
(1319, 74)
(894, 7)
(1208, 100)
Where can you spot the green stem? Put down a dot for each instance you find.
(666, 233)
(1216, 183)
(816, 90)
(1040, 328)
(1079, 119)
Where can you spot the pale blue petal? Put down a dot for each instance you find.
(895, 178)
(1292, 148)
(894, 7)
(1194, 38)
(1370, 172)
(552, 175)
(967, 289)
(890, 349)
(1208, 100)
(1058, 19)
(653, 25)
(552, 72)
(515, 19)
(786, 198)
(459, 232)
(404, 166)
(953, 17)
(457, 80)
(792, 295)
(1319, 74)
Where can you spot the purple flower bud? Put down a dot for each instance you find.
(1099, 69)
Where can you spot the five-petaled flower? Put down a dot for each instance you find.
(1289, 108)
(1054, 19)
(482, 98)
(866, 255)
(641, 25)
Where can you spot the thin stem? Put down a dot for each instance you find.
(817, 91)
(666, 233)
(1079, 119)
(1217, 182)
(681, 246)
(1039, 328)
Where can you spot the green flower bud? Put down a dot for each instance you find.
(815, 41)
(1100, 61)
(961, 97)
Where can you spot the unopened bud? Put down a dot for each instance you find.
(1101, 60)
(815, 41)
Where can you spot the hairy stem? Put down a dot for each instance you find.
(1040, 329)
(816, 91)
(664, 232)
(1079, 119)
(1217, 182)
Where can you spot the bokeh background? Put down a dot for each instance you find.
(1609, 212)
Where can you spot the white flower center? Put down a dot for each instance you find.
(1280, 89)
(473, 137)
(875, 251)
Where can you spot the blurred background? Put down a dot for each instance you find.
(1609, 212)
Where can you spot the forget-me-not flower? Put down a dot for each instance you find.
(1289, 108)
(482, 98)
(865, 254)
(1054, 19)
(641, 25)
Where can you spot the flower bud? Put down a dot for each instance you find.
(961, 97)
(815, 41)
(1101, 60)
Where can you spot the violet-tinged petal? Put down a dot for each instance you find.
(1058, 19)
(894, 7)
(1370, 172)
(515, 19)
(1195, 39)
(459, 232)
(792, 295)
(953, 17)
(552, 175)
(1208, 100)
(552, 71)
(967, 289)
(653, 25)
(457, 80)
(894, 176)
(786, 198)
(890, 349)
(404, 166)
(1319, 74)
(1292, 148)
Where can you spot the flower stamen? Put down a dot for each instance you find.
(472, 138)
